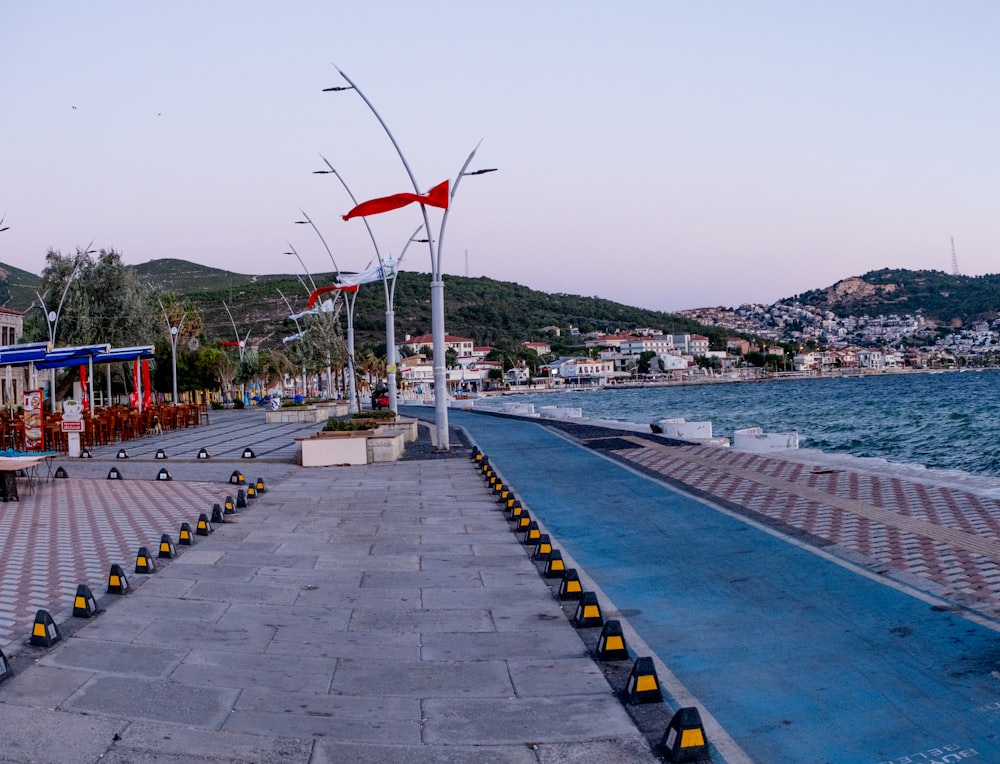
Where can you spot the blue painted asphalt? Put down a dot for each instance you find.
(799, 658)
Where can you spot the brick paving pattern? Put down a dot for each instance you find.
(70, 532)
(944, 535)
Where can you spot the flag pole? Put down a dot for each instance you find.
(390, 313)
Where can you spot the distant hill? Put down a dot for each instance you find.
(492, 312)
(489, 312)
(936, 295)
(17, 287)
(185, 277)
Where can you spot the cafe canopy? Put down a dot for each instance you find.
(44, 357)
(85, 354)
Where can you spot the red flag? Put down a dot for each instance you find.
(147, 389)
(334, 288)
(83, 386)
(436, 197)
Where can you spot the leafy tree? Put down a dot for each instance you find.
(104, 300)
(645, 357)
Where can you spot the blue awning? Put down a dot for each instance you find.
(74, 356)
(125, 354)
(62, 357)
(20, 355)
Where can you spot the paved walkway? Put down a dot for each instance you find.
(386, 613)
(382, 613)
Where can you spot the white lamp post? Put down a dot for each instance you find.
(174, 332)
(52, 316)
(388, 269)
(437, 284)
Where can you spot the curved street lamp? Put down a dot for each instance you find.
(329, 373)
(308, 274)
(241, 344)
(388, 288)
(52, 316)
(174, 332)
(308, 221)
(437, 284)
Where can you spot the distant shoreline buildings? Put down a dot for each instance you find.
(787, 338)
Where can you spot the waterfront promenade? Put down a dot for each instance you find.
(382, 613)
(387, 613)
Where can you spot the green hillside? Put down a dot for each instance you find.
(487, 311)
(17, 287)
(935, 294)
(492, 312)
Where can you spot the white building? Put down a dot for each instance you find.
(660, 345)
(584, 371)
(11, 326)
(461, 345)
(691, 344)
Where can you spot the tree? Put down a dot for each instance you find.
(105, 302)
(96, 301)
(645, 357)
(216, 369)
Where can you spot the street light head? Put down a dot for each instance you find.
(338, 88)
(173, 330)
(52, 315)
(481, 172)
(301, 222)
(322, 172)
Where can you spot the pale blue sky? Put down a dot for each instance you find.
(662, 154)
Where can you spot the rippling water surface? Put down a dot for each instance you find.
(944, 421)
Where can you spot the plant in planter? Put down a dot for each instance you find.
(385, 414)
(339, 425)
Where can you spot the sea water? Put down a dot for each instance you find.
(943, 421)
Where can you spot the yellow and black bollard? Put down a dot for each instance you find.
(684, 739)
(643, 685)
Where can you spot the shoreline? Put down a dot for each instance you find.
(720, 379)
(873, 458)
(983, 485)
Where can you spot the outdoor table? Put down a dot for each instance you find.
(10, 466)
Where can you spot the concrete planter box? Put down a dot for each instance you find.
(333, 408)
(341, 449)
(294, 414)
(334, 449)
(386, 426)
(385, 447)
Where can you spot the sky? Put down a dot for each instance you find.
(665, 154)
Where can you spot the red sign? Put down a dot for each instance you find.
(71, 426)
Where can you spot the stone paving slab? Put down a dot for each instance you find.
(146, 743)
(345, 609)
(55, 737)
